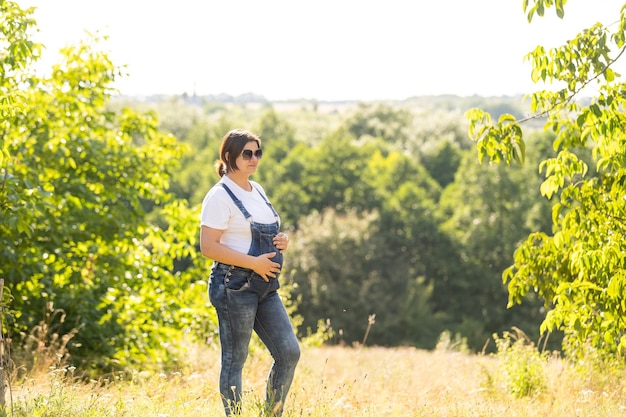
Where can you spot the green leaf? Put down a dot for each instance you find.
(609, 75)
(560, 12)
(596, 110)
(613, 289)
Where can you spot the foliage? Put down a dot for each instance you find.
(442, 163)
(577, 269)
(346, 285)
(77, 181)
(15, 26)
(486, 231)
(380, 121)
(310, 179)
(523, 366)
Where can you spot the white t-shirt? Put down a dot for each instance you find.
(220, 212)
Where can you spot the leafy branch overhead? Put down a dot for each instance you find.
(578, 269)
(539, 7)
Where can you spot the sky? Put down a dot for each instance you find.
(327, 50)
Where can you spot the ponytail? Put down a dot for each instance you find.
(220, 168)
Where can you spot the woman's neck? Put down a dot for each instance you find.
(240, 180)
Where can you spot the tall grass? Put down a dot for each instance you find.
(333, 381)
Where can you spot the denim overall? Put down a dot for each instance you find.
(244, 301)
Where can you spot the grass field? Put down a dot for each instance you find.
(331, 381)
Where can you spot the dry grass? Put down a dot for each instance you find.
(330, 381)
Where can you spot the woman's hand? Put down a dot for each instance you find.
(265, 267)
(281, 241)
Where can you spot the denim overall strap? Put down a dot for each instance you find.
(238, 202)
(269, 204)
(241, 207)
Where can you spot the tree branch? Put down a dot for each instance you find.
(571, 96)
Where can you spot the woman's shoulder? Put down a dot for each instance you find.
(217, 191)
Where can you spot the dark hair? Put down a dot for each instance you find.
(232, 145)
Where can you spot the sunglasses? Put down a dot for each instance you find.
(246, 154)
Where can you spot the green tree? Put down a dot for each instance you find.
(277, 134)
(380, 121)
(279, 141)
(75, 235)
(443, 162)
(326, 176)
(17, 199)
(344, 270)
(485, 210)
(577, 269)
(384, 259)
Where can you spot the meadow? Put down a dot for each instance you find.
(335, 381)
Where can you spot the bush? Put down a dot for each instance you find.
(523, 366)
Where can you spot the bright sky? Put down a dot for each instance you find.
(323, 49)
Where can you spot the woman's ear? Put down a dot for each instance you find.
(226, 161)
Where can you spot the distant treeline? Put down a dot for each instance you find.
(390, 211)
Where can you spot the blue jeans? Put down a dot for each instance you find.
(245, 302)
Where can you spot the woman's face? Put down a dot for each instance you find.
(248, 159)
